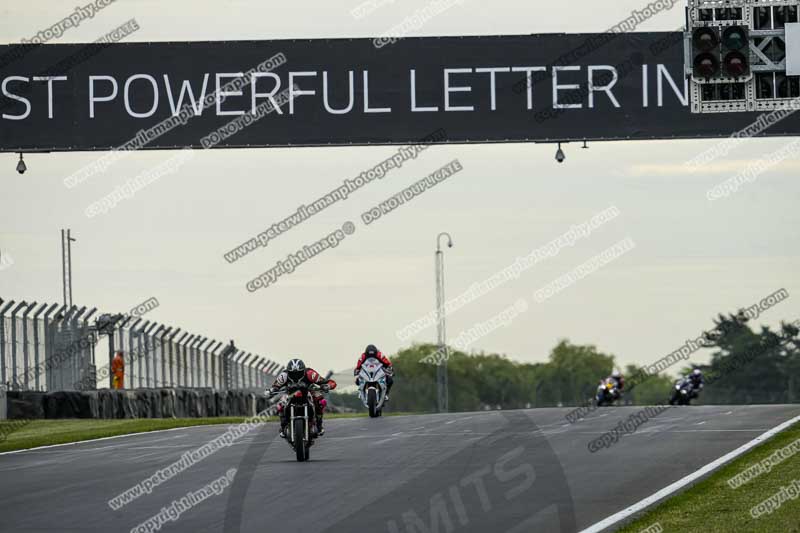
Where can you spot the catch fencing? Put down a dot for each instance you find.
(54, 348)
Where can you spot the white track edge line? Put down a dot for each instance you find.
(110, 438)
(666, 491)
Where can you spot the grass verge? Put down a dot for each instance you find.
(24, 434)
(712, 506)
(46, 432)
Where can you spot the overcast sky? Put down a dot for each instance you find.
(692, 258)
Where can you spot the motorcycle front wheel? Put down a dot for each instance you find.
(372, 402)
(300, 448)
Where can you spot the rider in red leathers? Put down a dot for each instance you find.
(372, 351)
(296, 373)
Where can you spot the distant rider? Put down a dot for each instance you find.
(697, 381)
(617, 377)
(296, 374)
(619, 383)
(372, 351)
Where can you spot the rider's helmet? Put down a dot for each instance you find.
(697, 372)
(371, 351)
(615, 374)
(296, 369)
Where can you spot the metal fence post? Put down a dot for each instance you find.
(243, 370)
(75, 351)
(14, 371)
(186, 361)
(149, 355)
(246, 370)
(254, 371)
(48, 346)
(226, 365)
(195, 355)
(89, 365)
(141, 364)
(190, 360)
(198, 350)
(206, 360)
(245, 376)
(127, 328)
(197, 361)
(237, 366)
(157, 355)
(36, 358)
(131, 372)
(214, 375)
(25, 351)
(234, 367)
(3, 310)
(173, 358)
(179, 360)
(54, 359)
(57, 355)
(69, 334)
(136, 338)
(164, 335)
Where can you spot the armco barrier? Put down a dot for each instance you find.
(139, 403)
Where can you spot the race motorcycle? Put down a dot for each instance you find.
(302, 429)
(607, 392)
(682, 393)
(372, 386)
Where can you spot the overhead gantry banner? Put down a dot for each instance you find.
(543, 88)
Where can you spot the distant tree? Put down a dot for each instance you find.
(750, 367)
(654, 390)
(576, 370)
(747, 367)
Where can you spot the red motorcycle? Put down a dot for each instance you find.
(302, 430)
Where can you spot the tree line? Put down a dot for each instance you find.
(746, 367)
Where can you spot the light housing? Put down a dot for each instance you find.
(560, 156)
(21, 166)
(735, 51)
(706, 52)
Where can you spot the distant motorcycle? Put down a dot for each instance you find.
(607, 393)
(372, 386)
(682, 393)
(302, 430)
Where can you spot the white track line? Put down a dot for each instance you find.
(139, 434)
(667, 491)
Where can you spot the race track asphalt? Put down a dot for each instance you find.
(493, 471)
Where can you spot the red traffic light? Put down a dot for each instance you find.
(705, 39)
(736, 64)
(706, 66)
